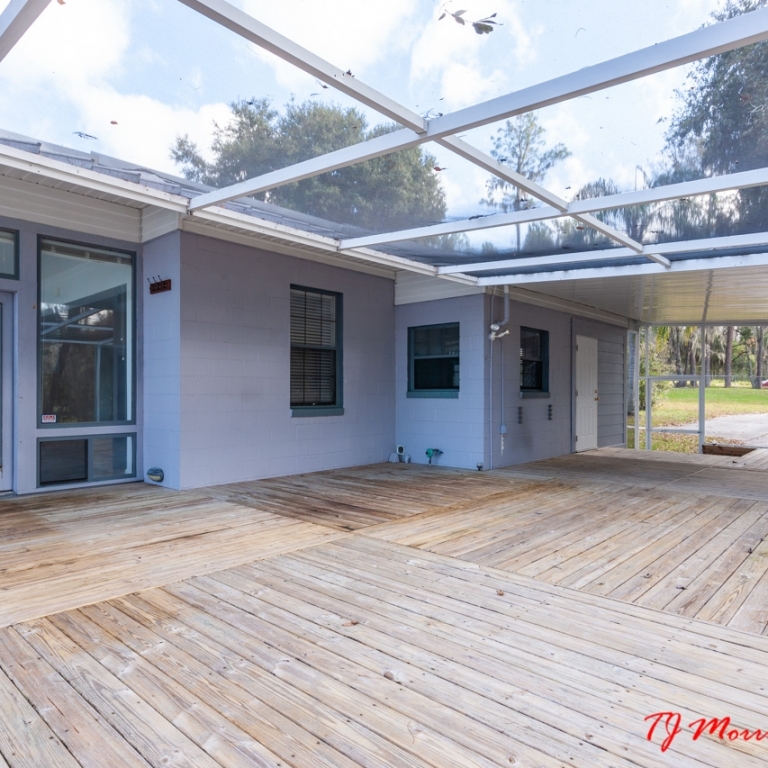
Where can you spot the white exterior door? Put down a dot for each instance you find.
(587, 395)
(6, 391)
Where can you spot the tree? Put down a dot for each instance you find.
(520, 144)
(391, 192)
(724, 117)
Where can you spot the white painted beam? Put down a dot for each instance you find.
(16, 19)
(489, 163)
(341, 158)
(708, 41)
(491, 221)
(567, 257)
(684, 246)
(692, 265)
(725, 183)
(249, 28)
(223, 217)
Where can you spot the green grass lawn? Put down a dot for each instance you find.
(680, 406)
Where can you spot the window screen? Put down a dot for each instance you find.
(91, 458)
(433, 358)
(9, 253)
(315, 348)
(533, 360)
(86, 347)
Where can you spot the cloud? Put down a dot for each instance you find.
(53, 85)
(465, 67)
(350, 35)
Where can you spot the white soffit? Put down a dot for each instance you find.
(717, 296)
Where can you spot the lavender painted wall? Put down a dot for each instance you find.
(26, 429)
(162, 360)
(537, 436)
(235, 418)
(611, 378)
(454, 425)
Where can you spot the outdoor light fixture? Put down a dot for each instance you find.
(155, 474)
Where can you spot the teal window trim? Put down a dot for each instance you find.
(337, 407)
(122, 256)
(437, 392)
(543, 389)
(91, 477)
(448, 394)
(14, 275)
(316, 410)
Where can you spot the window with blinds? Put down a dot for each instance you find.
(315, 348)
(433, 359)
(534, 360)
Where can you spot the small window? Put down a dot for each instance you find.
(9, 254)
(534, 360)
(315, 350)
(433, 360)
(87, 459)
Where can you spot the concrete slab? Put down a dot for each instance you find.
(751, 428)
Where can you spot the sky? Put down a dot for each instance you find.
(135, 74)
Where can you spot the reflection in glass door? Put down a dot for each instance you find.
(6, 391)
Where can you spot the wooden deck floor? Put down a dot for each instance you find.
(390, 616)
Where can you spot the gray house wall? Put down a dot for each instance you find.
(535, 436)
(162, 360)
(611, 378)
(213, 370)
(235, 418)
(461, 427)
(454, 425)
(531, 433)
(26, 429)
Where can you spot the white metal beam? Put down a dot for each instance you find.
(567, 257)
(16, 19)
(490, 221)
(693, 265)
(232, 219)
(733, 181)
(489, 163)
(688, 265)
(684, 246)
(249, 28)
(708, 41)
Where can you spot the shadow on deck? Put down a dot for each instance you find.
(391, 615)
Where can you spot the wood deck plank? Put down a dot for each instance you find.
(392, 615)
(91, 740)
(26, 741)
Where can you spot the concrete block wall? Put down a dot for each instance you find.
(536, 437)
(611, 379)
(162, 360)
(236, 421)
(24, 292)
(454, 425)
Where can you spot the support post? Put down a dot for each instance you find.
(648, 392)
(702, 390)
(636, 389)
